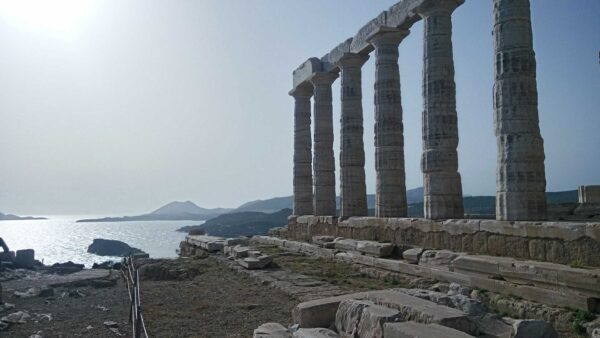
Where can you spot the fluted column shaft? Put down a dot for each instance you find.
(441, 180)
(303, 179)
(389, 129)
(323, 160)
(353, 189)
(520, 175)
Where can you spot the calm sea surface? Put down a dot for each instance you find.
(61, 239)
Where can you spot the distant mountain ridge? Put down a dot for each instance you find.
(10, 217)
(187, 207)
(174, 211)
(275, 204)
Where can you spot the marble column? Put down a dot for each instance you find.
(323, 160)
(389, 129)
(520, 173)
(441, 180)
(353, 189)
(303, 179)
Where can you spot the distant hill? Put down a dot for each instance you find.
(247, 223)
(187, 207)
(10, 217)
(274, 204)
(243, 223)
(174, 211)
(486, 205)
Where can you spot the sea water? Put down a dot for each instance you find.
(60, 238)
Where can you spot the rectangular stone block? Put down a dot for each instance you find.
(7, 256)
(25, 259)
(418, 330)
(320, 312)
(375, 248)
(417, 309)
(412, 255)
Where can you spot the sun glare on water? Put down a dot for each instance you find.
(57, 17)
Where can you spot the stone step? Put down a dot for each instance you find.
(419, 330)
(475, 273)
(542, 274)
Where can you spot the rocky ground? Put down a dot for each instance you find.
(181, 298)
(199, 297)
(202, 298)
(69, 311)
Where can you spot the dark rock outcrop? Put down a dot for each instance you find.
(65, 268)
(107, 247)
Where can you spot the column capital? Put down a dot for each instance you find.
(431, 7)
(352, 60)
(323, 78)
(304, 90)
(387, 35)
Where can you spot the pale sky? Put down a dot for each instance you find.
(118, 107)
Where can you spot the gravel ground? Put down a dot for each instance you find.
(64, 316)
(181, 298)
(215, 303)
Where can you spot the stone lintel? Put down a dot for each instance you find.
(429, 7)
(360, 43)
(305, 71)
(352, 60)
(330, 59)
(305, 89)
(387, 35)
(400, 15)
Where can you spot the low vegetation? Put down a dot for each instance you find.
(344, 275)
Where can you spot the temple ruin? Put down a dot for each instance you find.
(520, 177)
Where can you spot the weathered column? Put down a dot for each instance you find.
(520, 173)
(389, 130)
(353, 189)
(441, 180)
(323, 160)
(303, 179)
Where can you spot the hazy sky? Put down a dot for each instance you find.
(118, 107)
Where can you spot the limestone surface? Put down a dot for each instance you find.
(353, 189)
(389, 128)
(439, 163)
(418, 330)
(303, 177)
(323, 159)
(520, 173)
